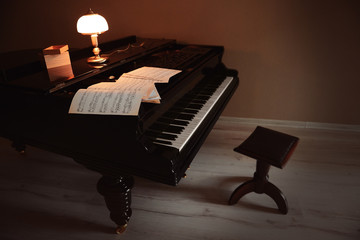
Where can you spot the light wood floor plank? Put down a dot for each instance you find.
(47, 196)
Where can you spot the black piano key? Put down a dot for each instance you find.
(189, 110)
(203, 97)
(161, 141)
(173, 121)
(195, 106)
(171, 115)
(179, 105)
(166, 128)
(207, 91)
(184, 116)
(157, 134)
(180, 122)
(210, 87)
(177, 115)
(174, 129)
(193, 99)
(187, 105)
(196, 99)
(184, 110)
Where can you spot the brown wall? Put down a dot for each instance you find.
(297, 59)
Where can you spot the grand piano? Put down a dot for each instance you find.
(159, 144)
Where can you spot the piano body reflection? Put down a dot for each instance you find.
(158, 144)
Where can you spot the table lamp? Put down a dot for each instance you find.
(93, 24)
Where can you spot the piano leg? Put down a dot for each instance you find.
(117, 195)
(19, 146)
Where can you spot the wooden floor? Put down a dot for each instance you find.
(47, 196)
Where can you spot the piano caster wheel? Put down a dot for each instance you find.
(121, 229)
(19, 147)
(22, 152)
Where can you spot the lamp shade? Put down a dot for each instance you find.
(92, 23)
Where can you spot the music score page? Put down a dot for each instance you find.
(124, 96)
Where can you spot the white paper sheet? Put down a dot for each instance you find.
(124, 96)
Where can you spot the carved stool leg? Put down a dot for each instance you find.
(242, 190)
(260, 184)
(279, 198)
(117, 195)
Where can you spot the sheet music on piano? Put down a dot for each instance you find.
(124, 96)
(155, 74)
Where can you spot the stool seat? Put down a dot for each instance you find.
(268, 147)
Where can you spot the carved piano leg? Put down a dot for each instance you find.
(117, 195)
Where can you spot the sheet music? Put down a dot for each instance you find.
(124, 96)
(156, 74)
(151, 94)
(121, 100)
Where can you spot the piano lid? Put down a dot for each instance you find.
(26, 69)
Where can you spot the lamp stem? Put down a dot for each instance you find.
(94, 40)
(97, 58)
(95, 43)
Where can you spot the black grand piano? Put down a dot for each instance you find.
(158, 144)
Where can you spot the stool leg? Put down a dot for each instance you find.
(257, 184)
(241, 190)
(261, 176)
(260, 184)
(279, 198)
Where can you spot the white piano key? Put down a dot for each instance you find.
(191, 128)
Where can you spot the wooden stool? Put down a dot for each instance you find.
(268, 147)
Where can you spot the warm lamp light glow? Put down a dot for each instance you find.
(93, 24)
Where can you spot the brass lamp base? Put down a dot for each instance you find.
(97, 59)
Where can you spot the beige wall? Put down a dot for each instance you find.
(297, 60)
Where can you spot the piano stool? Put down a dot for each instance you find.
(268, 147)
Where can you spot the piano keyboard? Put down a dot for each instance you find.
(178, 125)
